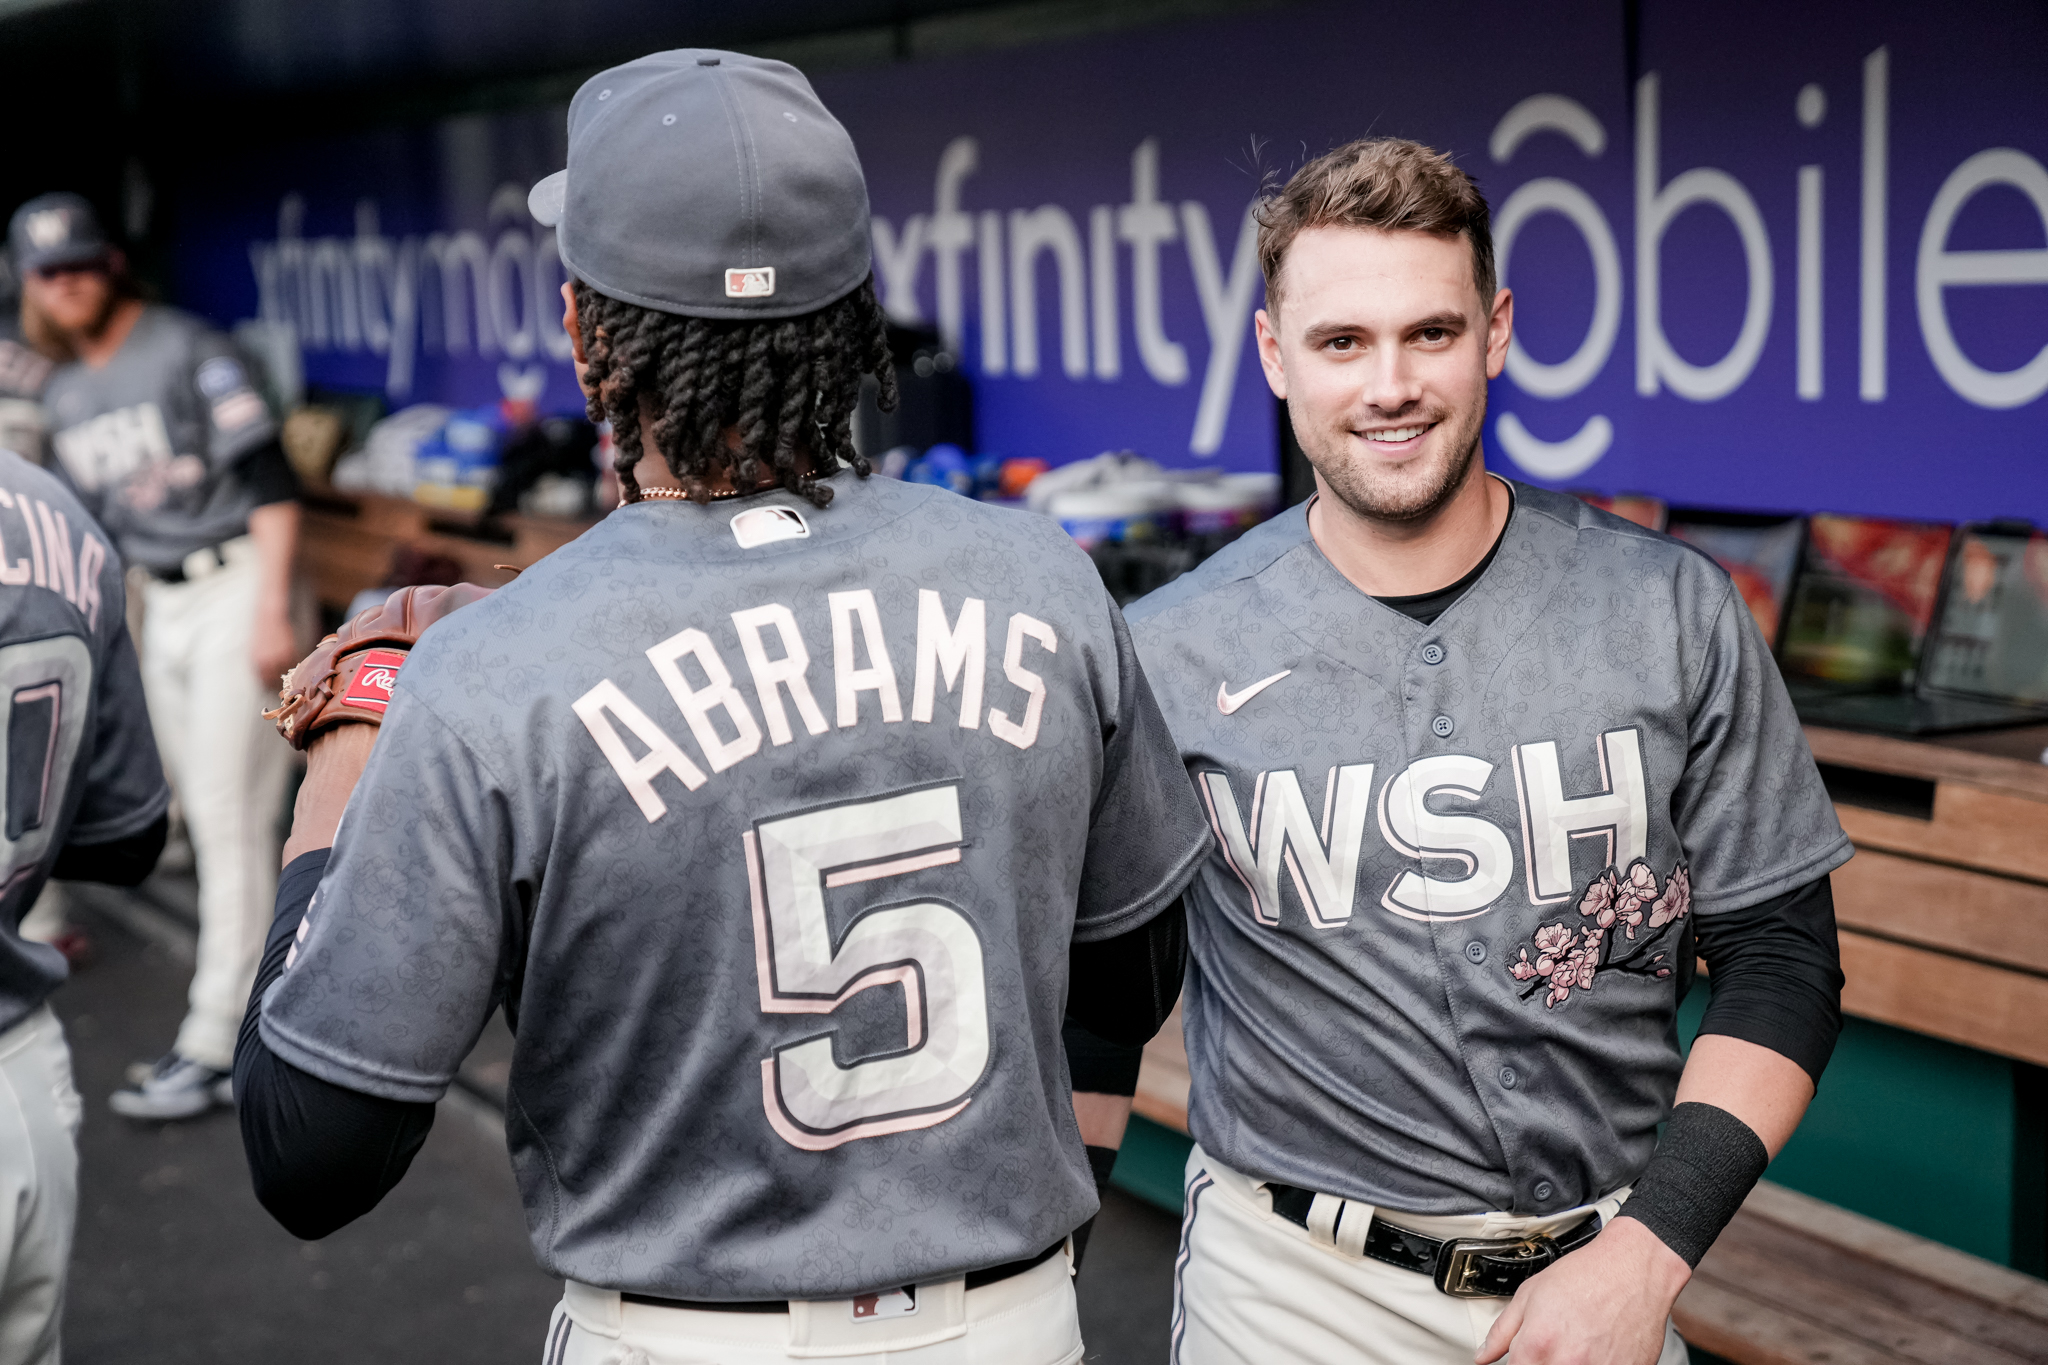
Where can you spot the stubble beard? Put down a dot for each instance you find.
(1381, 495)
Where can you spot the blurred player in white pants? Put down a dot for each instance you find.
(157, 427)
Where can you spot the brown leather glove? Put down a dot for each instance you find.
(350, 674)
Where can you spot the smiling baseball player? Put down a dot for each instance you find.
(769, 810)
(1485, 767)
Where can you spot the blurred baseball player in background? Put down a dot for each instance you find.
(1486, 767)
(155, 423)
(768, 810)
(25, 365)
(24, 369)
(82, 796)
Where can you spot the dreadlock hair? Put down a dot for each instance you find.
(785, 383)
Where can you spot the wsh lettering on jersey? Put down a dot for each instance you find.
(1322, 858)
(951, 656)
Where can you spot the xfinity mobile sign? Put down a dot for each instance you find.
(1781, 261)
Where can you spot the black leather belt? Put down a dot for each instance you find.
(176, 573)
(975, 1280)
(1463, 1267)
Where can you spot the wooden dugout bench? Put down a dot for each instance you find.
(347, 541)
(1943, 914)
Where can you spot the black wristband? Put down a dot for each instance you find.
(1704, 1168)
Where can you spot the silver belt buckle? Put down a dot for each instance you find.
(1459, 1263)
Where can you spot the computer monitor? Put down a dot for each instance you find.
(1759, 551)
(1991, 638)
(1863, 601)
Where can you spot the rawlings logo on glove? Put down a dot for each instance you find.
(351, 674)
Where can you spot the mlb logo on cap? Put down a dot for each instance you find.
(757, 283)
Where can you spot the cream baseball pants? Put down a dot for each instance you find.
(39, 1113)
(1252, 1288)
(1027, 1319)
(229, 770)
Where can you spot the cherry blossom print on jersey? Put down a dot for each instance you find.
(1613, 908)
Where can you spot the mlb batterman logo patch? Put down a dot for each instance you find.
(755, 282)
(890, 1303)
(375, 676)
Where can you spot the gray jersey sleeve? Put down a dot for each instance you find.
(237, 420)
(1148, 835)
(1749, 810)
(398, 967)
(124, 783)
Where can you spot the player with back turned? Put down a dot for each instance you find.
(82, 796)
(774, 811)
(1486, 768)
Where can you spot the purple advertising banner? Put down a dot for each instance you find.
(1796, 260)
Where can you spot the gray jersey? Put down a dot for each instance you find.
(150, 439)
(79, 764)
(23, 372)
(776, 853)
(1439, 949)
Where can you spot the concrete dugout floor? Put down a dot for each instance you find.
(176, 1262)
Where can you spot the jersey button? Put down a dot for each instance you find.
(1544, 1189)
(1442, 726)
(1475, 952)
(1432, 653)
(1508, 1079)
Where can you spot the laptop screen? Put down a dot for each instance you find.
(1992, 640)
(1864, 600)
(1759, 553)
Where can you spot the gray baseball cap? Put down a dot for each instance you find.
(710, 184)
(56, 230)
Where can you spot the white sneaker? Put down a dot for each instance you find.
(174, 1088)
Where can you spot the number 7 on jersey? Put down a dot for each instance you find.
(927, 947)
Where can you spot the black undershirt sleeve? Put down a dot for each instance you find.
(117, 862)
(268, 474)
(1122, 989)
(320, 1155)
(1776, 972)
(1119, 992)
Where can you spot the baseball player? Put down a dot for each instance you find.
(24, 369)
(23, 372)
(1486, 767)
(768, 810)
(158, 428)
(83, 797)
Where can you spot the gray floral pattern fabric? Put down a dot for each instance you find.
(773, 856)
(1434, 966)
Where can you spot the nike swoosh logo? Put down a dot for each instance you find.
(1227, 701)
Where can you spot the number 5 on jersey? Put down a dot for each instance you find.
(927, 947)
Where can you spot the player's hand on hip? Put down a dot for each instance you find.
(1605, 1304)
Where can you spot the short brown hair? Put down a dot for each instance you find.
(1388, 183)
